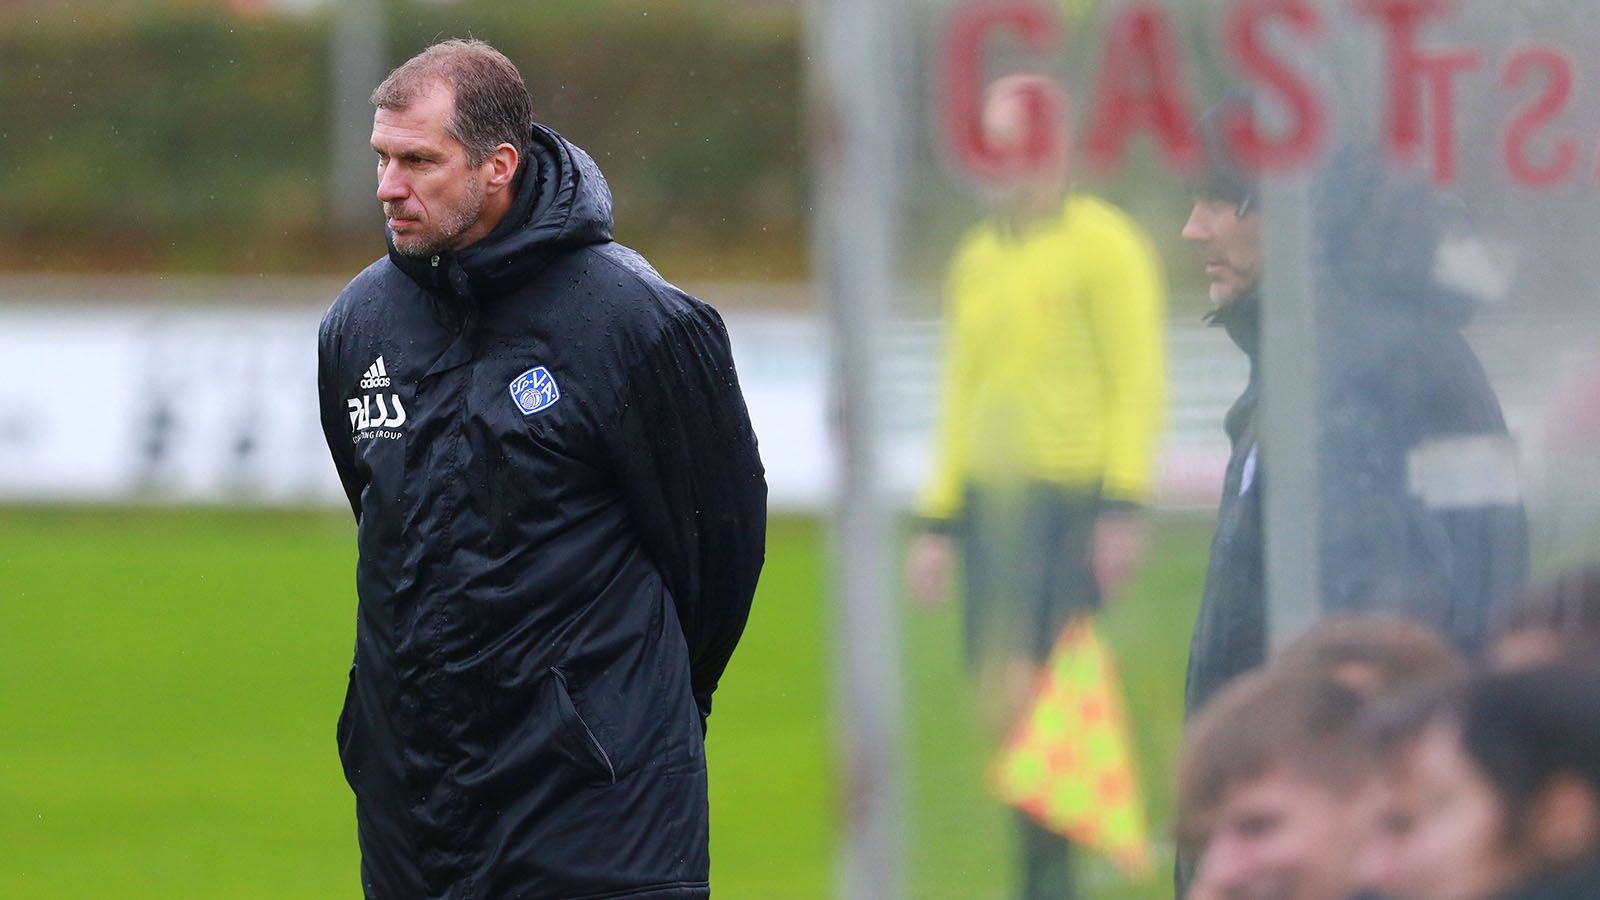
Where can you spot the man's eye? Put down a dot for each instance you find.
(1397, 823)
(1256, 826)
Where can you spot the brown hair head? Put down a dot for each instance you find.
(1372, 653)
(1263, 721)
(492, 105)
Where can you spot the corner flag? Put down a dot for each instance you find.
(1070, 763)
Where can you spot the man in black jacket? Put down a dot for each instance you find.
(560, 509)
(1418, 506)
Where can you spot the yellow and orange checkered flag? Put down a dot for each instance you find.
(1070, 763)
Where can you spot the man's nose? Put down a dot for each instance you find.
(1198, 227)
(391, 184)
(1224, 864)
(1375, 863)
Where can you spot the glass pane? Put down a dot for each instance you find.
(1209, 321)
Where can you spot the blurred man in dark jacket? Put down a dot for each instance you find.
(561, 515)
(1419, 512)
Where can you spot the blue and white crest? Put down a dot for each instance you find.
(534, 391)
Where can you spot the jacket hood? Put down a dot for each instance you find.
(562, 204)
(1378, 233)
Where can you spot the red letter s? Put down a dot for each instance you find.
(1308, 120)
(1557, 91)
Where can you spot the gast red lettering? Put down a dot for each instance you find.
(1141, 87)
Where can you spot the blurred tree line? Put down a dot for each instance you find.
(177, 135)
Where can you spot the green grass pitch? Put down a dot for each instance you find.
(169, 681)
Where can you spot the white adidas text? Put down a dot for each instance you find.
(376, 376)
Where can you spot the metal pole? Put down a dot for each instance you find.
(1290, 362)
(1288, 414)
(356, 65)
(857, 130)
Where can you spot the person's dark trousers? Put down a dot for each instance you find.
(1046, 862)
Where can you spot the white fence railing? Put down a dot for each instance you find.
(204, 391)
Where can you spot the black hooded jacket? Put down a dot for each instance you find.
(561, 518)
(1401, 395)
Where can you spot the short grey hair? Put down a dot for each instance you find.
(492, 105)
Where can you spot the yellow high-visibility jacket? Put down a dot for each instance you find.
(1054, 368)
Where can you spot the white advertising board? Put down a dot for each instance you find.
(127, 397)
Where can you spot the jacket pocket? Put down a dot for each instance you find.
(578, 732)
(350, 736)
(342, 730)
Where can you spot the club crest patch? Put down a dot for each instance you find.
(535, 391)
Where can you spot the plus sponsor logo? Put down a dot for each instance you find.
(376, 415)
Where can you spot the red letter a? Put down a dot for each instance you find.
(1141, 87)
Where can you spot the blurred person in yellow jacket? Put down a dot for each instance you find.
(1051, 406)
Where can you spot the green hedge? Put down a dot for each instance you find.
(174, 135)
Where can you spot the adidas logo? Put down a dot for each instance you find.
(377, 376)
(390, 413)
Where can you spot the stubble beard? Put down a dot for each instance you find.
(451, 226)
(1227, 294)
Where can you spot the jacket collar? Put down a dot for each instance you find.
(1241, 319)
(562, 203)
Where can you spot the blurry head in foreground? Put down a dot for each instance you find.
(1377, 655)
(450, 129)
(1506, 772)
(1276, 793)
(1372, 654)
(1023, 121)
(1391, 730)
(1266, 782)
(1558, 618)
(1225, 221)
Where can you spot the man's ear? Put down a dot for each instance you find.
(1564, 820)
(502, 167)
